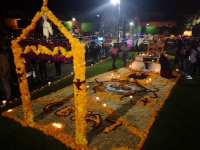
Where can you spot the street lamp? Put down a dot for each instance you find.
(131, 25)
(146, 28)
(118, 3)
(73, 20)
(73, 24)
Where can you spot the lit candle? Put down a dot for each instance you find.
(101, 60)
(72, 73)
(9, 110)
(4, 102)
(131, 96)
(156, 71)
(104, 105)
(49, 83)
(112, 75)
(152, 60)
(149, 79)
(130, 66)
(177, 70)
(88, 86)
(91, 64)
(57, 125)
(97, 98)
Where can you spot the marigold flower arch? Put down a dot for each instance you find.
(78, 53)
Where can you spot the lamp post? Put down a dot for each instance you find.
(118, 3)
(131, 27)
(146, 28)
(73, 20)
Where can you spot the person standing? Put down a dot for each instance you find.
(192, 61)
(125, 49)
(57, 65)
(114, 51)
(5, 74)
(197, 64)
(177, 53)
(165, 70)
(42, 69)
(95, 52)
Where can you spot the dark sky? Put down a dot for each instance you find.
(169, 7)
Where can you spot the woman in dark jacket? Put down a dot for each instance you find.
(165, 71)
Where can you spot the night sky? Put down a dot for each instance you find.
(128, 7)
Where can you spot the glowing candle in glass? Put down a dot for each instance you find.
(57, 125)
(149, 80)
(4, 102)
(156, 71)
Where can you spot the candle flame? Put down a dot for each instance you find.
(57, 125)
(10, 110)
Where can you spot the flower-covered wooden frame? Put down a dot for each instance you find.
(78, 53)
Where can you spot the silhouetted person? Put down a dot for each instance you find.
(42, 69)
(125, 49)
(5, 74)
(114, 51)
(57, 65)
(165, 70)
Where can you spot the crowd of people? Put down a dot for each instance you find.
(36, 73)
(187, 56)
(187, 59)
(96, 50)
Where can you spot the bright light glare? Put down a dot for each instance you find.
(73, 19)
(115, 1)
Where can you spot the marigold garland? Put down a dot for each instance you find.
(80, 95)
(78, 51)
(142, 134)
(151, 102)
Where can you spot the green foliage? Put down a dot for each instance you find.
(90, 27)
(151, 30)
(190, 19)
(68, 25)
(137, 29)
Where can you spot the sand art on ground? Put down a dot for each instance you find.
(121, 106)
